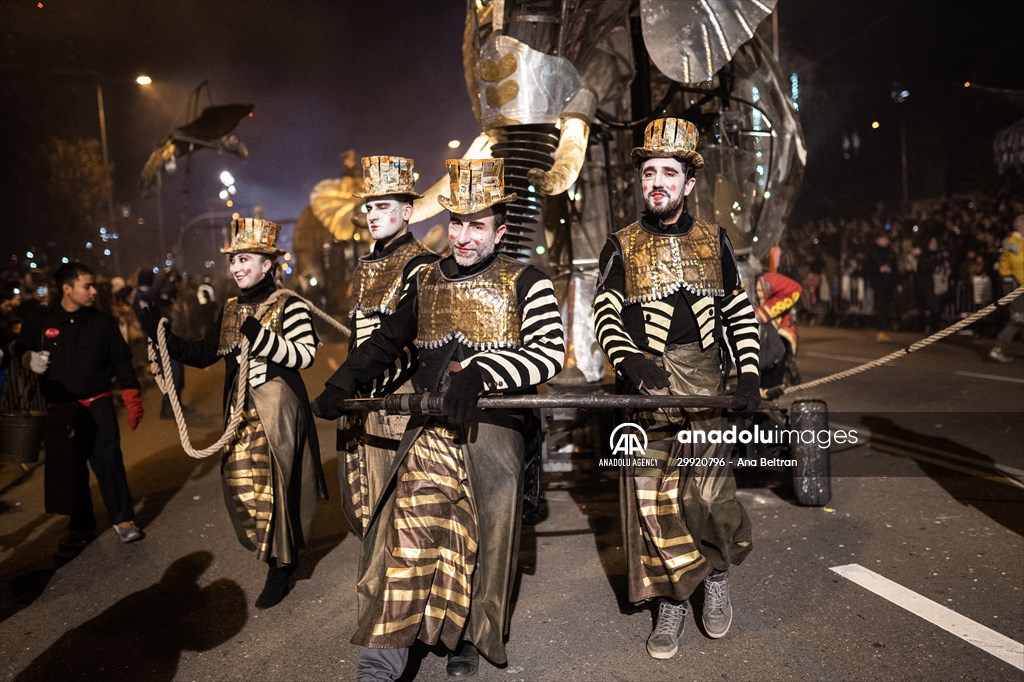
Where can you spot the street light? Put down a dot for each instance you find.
(143, 79)
(900, 95)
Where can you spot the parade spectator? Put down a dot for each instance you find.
(934, 275)
(76, 350)
(1011, 270)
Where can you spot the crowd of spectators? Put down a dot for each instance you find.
(916, 270)
(190, 303)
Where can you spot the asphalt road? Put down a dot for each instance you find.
(930, 502)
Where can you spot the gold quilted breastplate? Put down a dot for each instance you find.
(235, 313)
(378, 283)
(657, 266)
(481, 312)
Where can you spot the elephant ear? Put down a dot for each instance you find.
(335, 205)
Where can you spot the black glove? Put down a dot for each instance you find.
(749, 388)
(461, 397)
(643, 372)
(149, 317)
(326, 404)
(251, 328)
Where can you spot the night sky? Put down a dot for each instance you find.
(386, 77)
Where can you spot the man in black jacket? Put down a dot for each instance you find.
(76, 350)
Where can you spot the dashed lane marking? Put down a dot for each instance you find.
(986, 639)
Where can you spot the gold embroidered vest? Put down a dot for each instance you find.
(378, 283)
(235, 313)
(657, 266)
(481, 312)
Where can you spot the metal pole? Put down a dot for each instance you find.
(903, 158)
(433, 403)
(106, 164)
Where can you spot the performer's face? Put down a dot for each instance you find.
(248, 268)
(665, 186)
(386, 217)
(474, 237)
(79, 294)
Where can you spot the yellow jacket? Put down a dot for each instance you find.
(1011, 260)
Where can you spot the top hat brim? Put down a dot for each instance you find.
(374, 195)
(466, 209)
(263, 250)
(641, 154)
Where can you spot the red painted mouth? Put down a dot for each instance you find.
(658, 196)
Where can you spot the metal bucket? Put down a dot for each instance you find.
(21, 436)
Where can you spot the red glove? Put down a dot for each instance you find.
(133, 402)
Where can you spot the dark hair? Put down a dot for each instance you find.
(69, 273)
(500, 214)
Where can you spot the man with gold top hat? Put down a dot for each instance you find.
(668, 293)
(367, 444)
(271, 468)
(482, 322)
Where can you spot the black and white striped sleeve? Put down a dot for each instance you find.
(738, 318)
(608, 305)
(295, 346)
(542, 336)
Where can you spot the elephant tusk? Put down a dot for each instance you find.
(572, 149)
(427, 207)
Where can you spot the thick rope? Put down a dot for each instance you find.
(162, 374)
(165, 382)
(927, 341)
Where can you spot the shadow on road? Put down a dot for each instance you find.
(329, 524)
(142, 636)
(969, 476)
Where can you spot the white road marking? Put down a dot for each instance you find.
(993, 377)
(986, 639)
(844, 358)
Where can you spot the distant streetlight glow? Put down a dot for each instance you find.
(226, 178)
(454, 144)
(875, 124)
(144, 80)
(967, 84)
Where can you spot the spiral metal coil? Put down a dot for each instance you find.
(523, 147)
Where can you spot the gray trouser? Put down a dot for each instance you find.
(381, 664)
(1016, 309)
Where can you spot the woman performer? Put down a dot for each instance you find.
(271, 468)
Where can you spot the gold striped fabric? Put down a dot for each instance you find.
(662, 557)
(248, 476)
(433, 537)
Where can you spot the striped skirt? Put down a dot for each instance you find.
(681, 522)
(433, 547)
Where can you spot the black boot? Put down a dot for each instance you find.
(276, 587)
(464, 662)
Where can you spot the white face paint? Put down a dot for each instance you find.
(386, 217)
(248, 269)
(474, 237)
(664, 188)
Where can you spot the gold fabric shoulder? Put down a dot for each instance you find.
(235, 313)
(377, 285)
(657, 266)
(481, 312)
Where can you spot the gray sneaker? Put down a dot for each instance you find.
(664, 640)
(128, 533)
(717, 615)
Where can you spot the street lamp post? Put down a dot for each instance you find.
(106, 164)
(900, 95)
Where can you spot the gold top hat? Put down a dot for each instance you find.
(669, 138)
(383, 175)
(253, 235)
(476, 184)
